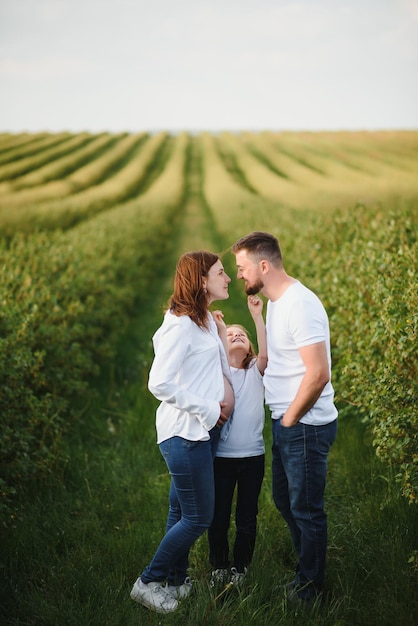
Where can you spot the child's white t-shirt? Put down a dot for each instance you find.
(245, 436)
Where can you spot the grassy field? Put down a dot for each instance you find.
(87, 268)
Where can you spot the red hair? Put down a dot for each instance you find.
(189, 296)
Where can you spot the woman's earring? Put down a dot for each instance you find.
(205, 290)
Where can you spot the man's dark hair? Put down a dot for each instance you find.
(261, 246)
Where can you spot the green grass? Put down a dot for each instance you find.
(84, 536)
(85, 531)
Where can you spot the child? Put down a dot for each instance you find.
(240, 455)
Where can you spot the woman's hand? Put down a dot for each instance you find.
(222, 417)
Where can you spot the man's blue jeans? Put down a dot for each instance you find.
(300, 456)
(191, 506)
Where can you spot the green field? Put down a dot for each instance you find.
(91, 226)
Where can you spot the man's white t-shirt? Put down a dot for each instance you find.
(295, 320)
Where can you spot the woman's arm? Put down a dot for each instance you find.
(171, 349)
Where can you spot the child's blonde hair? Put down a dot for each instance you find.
(251, 354)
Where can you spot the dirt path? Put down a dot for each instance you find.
(198, 229)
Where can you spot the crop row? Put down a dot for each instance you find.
(65, 299)
(58, 178)
(66, 287)
(363, 262)
(65, 212)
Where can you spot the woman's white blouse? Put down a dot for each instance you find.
(187, 376)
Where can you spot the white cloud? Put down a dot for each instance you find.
(412, 8)
(215, 63)
(43, 69)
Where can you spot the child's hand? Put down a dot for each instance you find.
(218, 316)
(255, 305)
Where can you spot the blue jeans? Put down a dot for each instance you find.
(191, 505)
(247, 474)
(300, 455)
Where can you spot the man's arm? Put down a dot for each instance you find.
(316, 377)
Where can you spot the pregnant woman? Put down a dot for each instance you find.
(190, 376)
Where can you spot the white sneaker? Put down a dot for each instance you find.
(218, 577)
(153, 596)
(236, 576)
(180, 591)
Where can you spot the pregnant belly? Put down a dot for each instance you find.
(229, 398)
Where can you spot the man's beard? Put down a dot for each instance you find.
(252, 290)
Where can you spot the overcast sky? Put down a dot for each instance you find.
(219, 64)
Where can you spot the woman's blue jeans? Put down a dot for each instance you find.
(300, 456)
(191, 506)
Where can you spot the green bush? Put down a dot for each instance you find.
(66, 299)
(363, 263)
